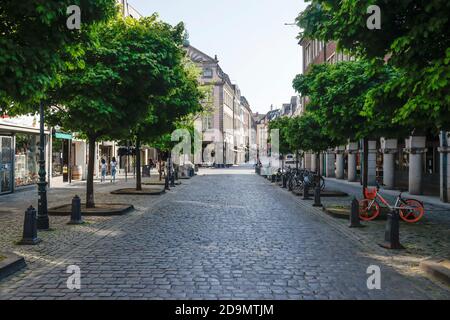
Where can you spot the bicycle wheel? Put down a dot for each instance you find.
(367, 214)
(412, 211)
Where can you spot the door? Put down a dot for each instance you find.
(6, 164)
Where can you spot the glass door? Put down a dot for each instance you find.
(6, 164)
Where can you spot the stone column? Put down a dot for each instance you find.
(330, 167)
(352, 151)
(314, 162)
(307, 161)
(389, 149)
(444, 172)
(415, 146)
(340, 152)
(372, 163)
(322, 171)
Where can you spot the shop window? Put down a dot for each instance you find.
(26, 159)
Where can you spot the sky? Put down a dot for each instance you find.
(254, 46)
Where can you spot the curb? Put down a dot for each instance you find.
(65, 210)
(437, 268)
(10, 264)
(138, 193)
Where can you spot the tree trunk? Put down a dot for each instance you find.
(160, 168)
(90, 176)
(318, 171)
(138, 164)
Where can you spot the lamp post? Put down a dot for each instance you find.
(42, 217)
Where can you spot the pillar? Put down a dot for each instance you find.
(389, 149)
(340, 152)
(314, 162)
(321, 160)
(444, 171)
(330, 166)
(307, 161)
(352, 150)
(415, 146)
(372, 163)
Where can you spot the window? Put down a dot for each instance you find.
(207, 73)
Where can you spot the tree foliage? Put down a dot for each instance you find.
(414, 37)
(36, 45)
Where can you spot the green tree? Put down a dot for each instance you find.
(339, 95)
(414, 37)
(36, 45)
(166, 111)
(129, 63)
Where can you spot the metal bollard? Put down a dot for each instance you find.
(273, 178)
(75, 217)
(392, 233)
(172, 180)
(317, 202)
(354, 215)
(30, 228)
(306, 192)
(166, 182)
(284, 181)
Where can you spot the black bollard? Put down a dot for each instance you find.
(30, 228)
(306, 192)
(317, 202)
(273, 178)
(354, 215)
(392, 233)
(284, 181)
(75, 217)
(166, 182)
(172, 180)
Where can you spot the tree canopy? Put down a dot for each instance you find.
(36, 45)
(414, 37)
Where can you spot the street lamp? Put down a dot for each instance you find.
(42, 217)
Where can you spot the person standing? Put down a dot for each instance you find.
(113, 165)
(103, 170)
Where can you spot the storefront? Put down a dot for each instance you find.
(19, 147)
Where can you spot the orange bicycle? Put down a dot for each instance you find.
(410, 210)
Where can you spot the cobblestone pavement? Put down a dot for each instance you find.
(224, 234)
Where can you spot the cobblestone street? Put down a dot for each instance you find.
(225, 234)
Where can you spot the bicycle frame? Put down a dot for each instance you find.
(395, 207)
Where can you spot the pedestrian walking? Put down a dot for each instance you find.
(113, 165)
(103, 170)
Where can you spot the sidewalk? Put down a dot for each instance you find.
(63, 238)
(427, 239)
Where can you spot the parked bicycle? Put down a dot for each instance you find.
(410, 210)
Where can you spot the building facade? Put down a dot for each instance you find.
(226, 130)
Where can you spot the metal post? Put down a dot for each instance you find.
(30, 228)
(42, 217)
(284, 179)
(354, 215)
(306, 191)
(392, 232)
(76, 217)
(317, 202)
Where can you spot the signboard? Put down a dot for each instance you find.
(62, 135)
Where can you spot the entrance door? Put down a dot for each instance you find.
(6, 164)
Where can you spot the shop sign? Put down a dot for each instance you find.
(62, 135)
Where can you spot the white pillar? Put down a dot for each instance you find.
(372, 163)
(389, 149)
(340, 162)
(444, 151)
(314, 162)
(352, 150)
(415, 146)
(321, 157)
(330, 167)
